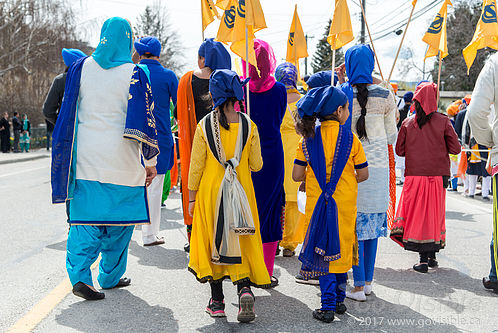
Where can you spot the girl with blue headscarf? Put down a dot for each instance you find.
(373, 119)
(226, 240)
(194, 103)
(330, 159)
(104, 156)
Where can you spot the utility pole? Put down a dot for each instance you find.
(306, 59)
(362, 33)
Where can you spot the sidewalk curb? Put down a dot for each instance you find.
(25, 159)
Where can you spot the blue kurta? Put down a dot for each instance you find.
(267, 112)
(164, 87)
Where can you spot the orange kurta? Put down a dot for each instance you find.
(187, 124)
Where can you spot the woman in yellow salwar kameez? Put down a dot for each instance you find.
(294, 223)
(226, 241)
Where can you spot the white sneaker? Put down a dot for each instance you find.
(367, 289)
(357, 295)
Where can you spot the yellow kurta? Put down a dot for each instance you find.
(205, 176)
(344, 195)
(294, 226)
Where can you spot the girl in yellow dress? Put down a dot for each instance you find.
(226, 241)
(331, 160)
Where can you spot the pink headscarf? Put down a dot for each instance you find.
(266, 65)
(426, 95)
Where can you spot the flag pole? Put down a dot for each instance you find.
(295, 51)
(247, 75)
(202, 22)
(401, 44)
(439, 76)
(371, 40)
(333, 66)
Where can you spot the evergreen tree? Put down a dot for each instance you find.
(460, 28)
(154, 22)
(322, 59)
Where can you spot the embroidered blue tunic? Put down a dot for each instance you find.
(164, 87)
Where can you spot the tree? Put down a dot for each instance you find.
(32, 35)
(408, 62)
(322, 59)
(154, 22)
(461, 26)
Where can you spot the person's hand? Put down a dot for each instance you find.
(302, 187)
(135, 57)
(341, 73)
(191, 206)
(151, 174)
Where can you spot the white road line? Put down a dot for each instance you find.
(23, 171)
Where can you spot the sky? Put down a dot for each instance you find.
(382, 17)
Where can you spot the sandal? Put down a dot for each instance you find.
(274, 281)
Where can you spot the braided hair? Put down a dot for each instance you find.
(221, 109)
(362, 97)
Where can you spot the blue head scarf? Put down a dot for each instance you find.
(360, 64)
(148, 44)
(71, 55)
(224, 84)
(321, 79)
(408, 96)
(321, 102)
(215, 55)
(286, 74)
(115, 44)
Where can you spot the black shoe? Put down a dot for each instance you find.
(340, 308)
(488, 284)
(82, 290)
(216, 308)
(433, 263)
(186, 247)
(246, 306)
(274, 281)
(470, 196)
(486, 199)
(322, 315)
(421, 268)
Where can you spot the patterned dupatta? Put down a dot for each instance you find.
(233, 215)
(322, 244)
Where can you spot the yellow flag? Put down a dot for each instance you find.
(486, 34)
(296, 43)
(227, 23)
(435, 36)
(249, 16)
(341, 30)
(209, 12)
(222, 4)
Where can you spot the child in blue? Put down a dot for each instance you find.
(331, 160)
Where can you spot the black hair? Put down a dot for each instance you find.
(421, 117)
(221, 109)
(16, 113)
(362, 97)
(305, 126)
(148, 55)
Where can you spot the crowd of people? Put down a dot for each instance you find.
(21, 129)
(247, 145)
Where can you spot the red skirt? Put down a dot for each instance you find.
(420, 223)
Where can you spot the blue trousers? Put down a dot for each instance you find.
(85, 243)
(367, 251)
(333, 288)
(492, 272)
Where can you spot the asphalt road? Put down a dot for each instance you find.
(165, 297)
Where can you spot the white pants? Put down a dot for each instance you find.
(472, 184)
(486, 186)
(154, 195)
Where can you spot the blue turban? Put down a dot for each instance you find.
(408, 96)
(215, 55)
(71, 55)
(148, 44)
(321, 79)
(224, 84)
(321, 102)
(286, 74)
(360, 63)
(421, 81)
